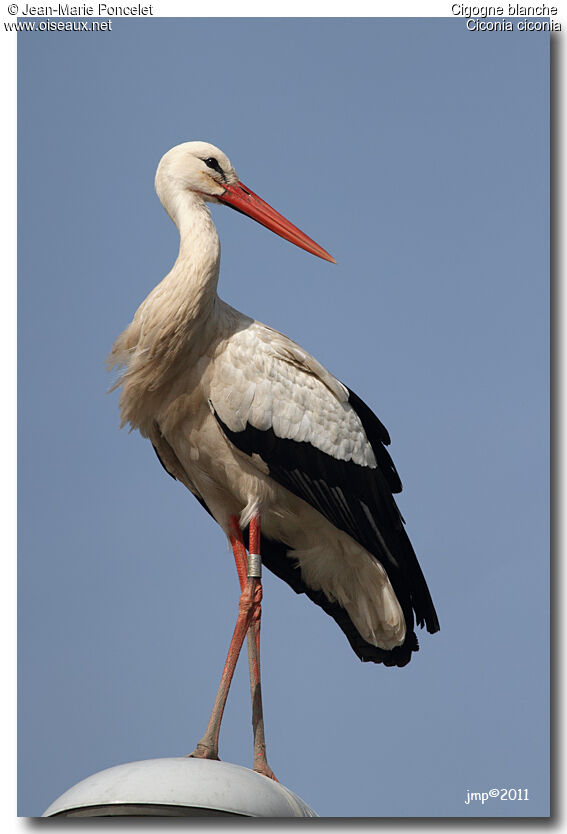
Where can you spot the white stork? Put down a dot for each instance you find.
(288, 461)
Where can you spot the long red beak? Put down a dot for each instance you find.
(240, 197)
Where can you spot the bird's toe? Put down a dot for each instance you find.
(265, 769)
(204, 751)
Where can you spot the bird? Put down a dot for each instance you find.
(288, 460)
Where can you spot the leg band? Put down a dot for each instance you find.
(254, 565)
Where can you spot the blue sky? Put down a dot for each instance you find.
(417, 153)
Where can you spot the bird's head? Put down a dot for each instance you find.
(199, 170)
(196, 167)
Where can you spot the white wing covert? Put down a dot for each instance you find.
(265, 381)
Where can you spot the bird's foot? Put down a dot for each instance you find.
(204, 751)
(264, 768)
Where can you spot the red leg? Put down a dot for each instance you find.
(239, 551)
(249, 614)
(250, 596)
(260, 762)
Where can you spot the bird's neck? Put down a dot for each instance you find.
(179, 310)
(174, 325)
(194, 277)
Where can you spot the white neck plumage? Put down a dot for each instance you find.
(194, 277)
(174, 324)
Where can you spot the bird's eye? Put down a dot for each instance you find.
(213, 163)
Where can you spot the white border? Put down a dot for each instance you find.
(216, 8)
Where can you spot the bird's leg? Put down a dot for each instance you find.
(254, 567)
(250, 596)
